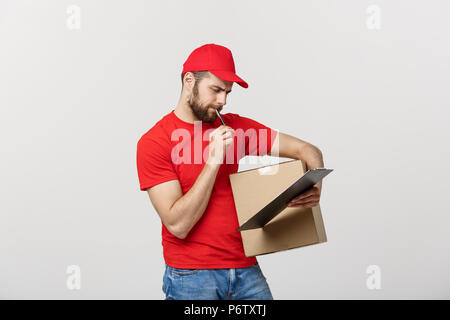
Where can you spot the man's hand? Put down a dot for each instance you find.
(307, 199)
(219, 140)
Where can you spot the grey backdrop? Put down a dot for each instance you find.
(365, 81)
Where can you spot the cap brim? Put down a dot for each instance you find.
(229, 76)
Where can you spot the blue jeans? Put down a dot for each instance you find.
(216, 284)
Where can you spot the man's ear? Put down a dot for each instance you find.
(189, 81)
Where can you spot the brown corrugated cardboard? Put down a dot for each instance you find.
(292, 228)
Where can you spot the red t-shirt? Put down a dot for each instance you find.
(163, 154)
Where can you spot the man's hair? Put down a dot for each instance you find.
(198, 75)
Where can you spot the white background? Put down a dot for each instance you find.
(74, 103)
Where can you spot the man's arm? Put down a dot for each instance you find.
(178, 212)
(288, 146)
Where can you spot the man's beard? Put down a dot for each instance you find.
(200, 111)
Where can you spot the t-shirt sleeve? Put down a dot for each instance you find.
(154, 165)
(259, 138)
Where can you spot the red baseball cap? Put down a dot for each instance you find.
(216, 59)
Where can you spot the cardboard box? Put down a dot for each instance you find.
(293, 227)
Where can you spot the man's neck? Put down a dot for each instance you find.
(184, 112)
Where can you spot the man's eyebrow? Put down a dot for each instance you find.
(216, 86)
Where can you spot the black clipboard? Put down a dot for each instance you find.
(270, 211)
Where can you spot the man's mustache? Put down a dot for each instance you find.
(217, 108)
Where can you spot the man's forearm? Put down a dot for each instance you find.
(190, 207)
(312, 157)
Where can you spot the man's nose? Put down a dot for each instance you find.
(222, 99)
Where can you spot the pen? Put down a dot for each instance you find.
(220, 118)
